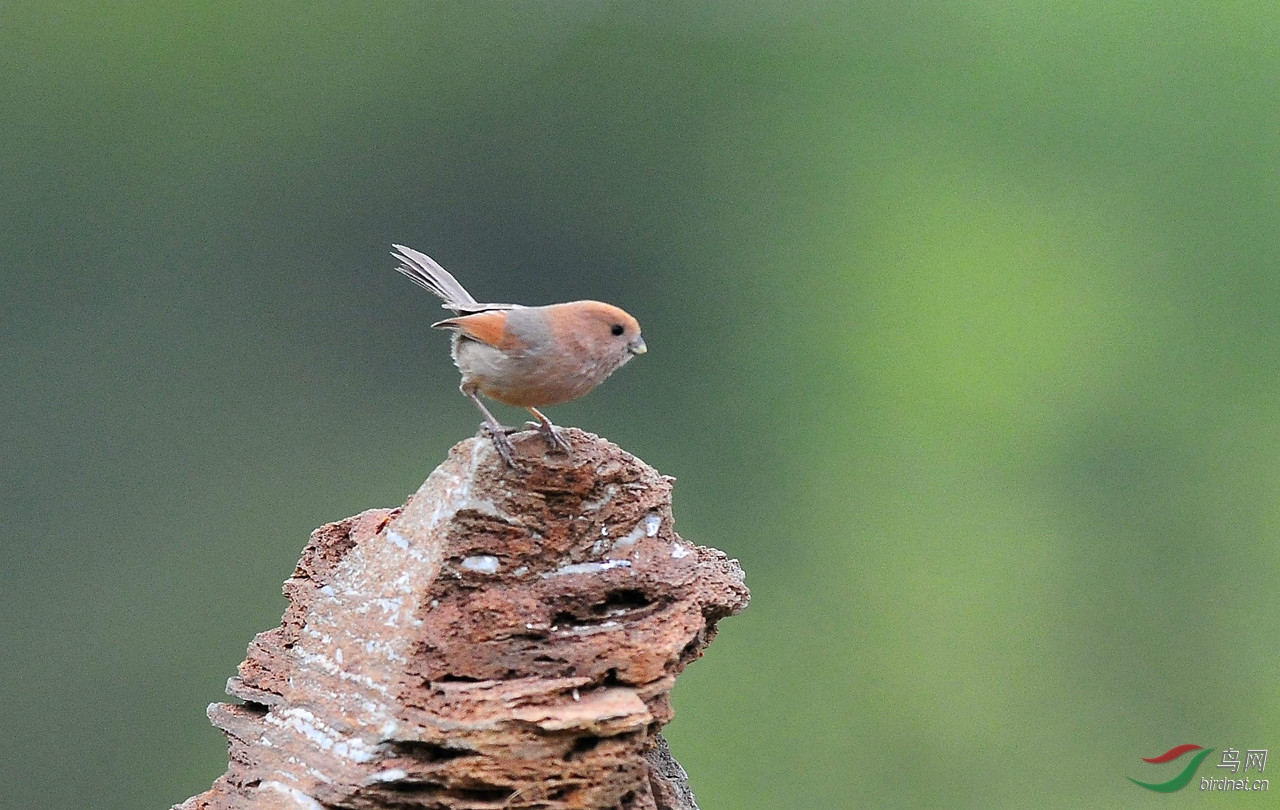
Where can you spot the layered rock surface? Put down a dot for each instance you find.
(507, 638)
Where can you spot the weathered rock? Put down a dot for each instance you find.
(506, 639)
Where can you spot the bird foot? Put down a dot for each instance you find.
(554, 438)
(498, 434)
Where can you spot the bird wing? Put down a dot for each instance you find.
(489, 327)
(423, 270)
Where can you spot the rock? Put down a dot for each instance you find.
(508, 638)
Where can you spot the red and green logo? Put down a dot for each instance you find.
(1180, 781)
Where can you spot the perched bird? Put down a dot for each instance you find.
(528, 357)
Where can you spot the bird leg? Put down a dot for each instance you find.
(496, 431)
(549, 431)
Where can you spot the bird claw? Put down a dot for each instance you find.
(554, 438)
(498, 434)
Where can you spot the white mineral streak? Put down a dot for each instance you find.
(588, 568)
(382, 579)
(299, 799)
(481, 564)
(610, 492)
(645, 528)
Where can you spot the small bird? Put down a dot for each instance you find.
(529, 357)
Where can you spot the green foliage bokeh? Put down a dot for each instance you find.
(963, 338)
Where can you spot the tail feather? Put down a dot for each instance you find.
(422, 270)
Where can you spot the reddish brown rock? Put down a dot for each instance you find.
(506, 639)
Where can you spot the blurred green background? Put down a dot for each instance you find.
(963, 327)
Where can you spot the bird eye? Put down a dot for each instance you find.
(616, 329)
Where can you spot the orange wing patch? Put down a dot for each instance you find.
(489, 327)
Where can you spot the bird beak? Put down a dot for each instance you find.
(637, 346)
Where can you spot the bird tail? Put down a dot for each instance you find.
(422, 270)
